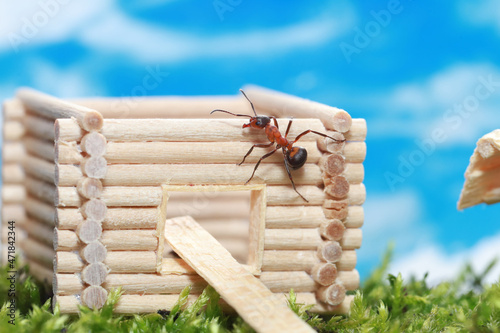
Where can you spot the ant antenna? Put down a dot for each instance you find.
(248, 99)
(234, 114)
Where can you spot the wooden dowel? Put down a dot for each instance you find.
(70, 284)
(134, 304)
(349, 279)
(93, 144)
(332, 146)
(329, 251)
(145, 262)
(338, 187)
(13, 130)
(332, 295)
(13, 212)
(193, 130)
(352, 239)
(13, 109)
(12, 173)
(279, 104)
(40, 148)
(332, 164)
(285, 195)
(182, 174)
(282, 217)
(355, 152)
(122, 240)
(88, 231)
(39, 231)
(13, 152)
(92, 253)
(89, 188)
(324, 273)
(291, 239)
(41, 211)
(94, 274)
(165, 107)
(67, 152)
(115, 218)
(53, 108)
(94, 209)
(40, 169)
(41, 190)
(37, 251)
(39, 127)
(94, 167)
(332, 230)
(357, 132)
(94, 297)
(13, 193)
(40, 272)
(302, 260)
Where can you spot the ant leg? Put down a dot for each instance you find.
(258, 145)
(311, 131)
(290, 176)
(275, 121)
(288, 127)
(257, 165)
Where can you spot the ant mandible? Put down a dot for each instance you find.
(294, 156)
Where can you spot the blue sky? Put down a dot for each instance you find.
(413, 69)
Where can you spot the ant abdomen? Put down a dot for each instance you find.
(296, 157)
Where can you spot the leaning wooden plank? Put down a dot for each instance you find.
(481, 176)
(54, 108)
(256, 304)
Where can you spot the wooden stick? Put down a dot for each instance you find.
(332, 295)
(67, 152)
(357, 132)
(40, 272)
(41, 190)
(70, 284)
(245, 293)
(13, 212)
(279, 104)
(181, 174)
(13, 109)
(94, 209)
(332, 164)
(338, 187)
(118, 262)
(41, 211)
(324, 273)
(94, 274)
(94, 167)
(303, 260)
(92, 253)
(181, 130)
(94, 297)
(13, 152)
(12, 173)
(89, 188)
(355, 152)
(332, 146)
(40, 169)
(133, 304)
(13, 130)
(40, 148)
(87, 232)
(329, 251)
(13, 193)
(39, 231)
(39, 127)
(115, 218)
(349, 279)
(281, 217)
(332, 230)
(93, 144)
(165, 107)
(352, 239)
(292, 239)
(122, 240)
(37, 251)
(53, 108)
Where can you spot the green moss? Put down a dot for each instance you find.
(385, 303)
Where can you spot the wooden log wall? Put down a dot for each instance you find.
(107, 196)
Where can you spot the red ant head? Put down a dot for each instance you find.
(258, 122)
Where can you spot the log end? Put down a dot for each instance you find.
(94, 144)
(330, 251)
(324, 273)
(94, 297)
(332, 230)
(341, 121)
(92, 121)
(95, 274)
(90, 188)
(89, 231)
(332, 295)
(333, 164)
(94, 252)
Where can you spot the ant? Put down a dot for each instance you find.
(294, 156)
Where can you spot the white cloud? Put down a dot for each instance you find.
(481, 12)
(442, 266)
(416, 109)
(393, 218)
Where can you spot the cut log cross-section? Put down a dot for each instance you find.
(255, 303)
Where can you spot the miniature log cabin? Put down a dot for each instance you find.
(482, 177)
(90, 183)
